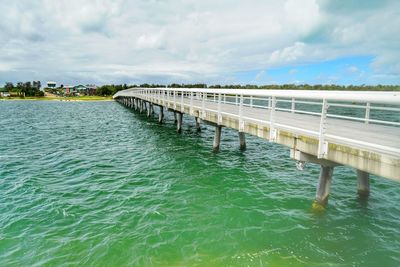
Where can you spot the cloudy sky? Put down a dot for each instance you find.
(210, 41)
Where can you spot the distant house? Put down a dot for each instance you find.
(91, 89)
(69, 90)
(4, 92)
(51, 84)
(80, 90)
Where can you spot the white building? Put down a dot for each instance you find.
(51, 84)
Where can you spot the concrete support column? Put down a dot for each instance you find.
(175, 119)
(179, 121)
(161, 114)
(149, 109)
(140, 105)
(362, 183)
(242, 141)
(217, 138)
(198, 128)
(324, 185)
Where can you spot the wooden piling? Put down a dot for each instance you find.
(161, 114)
(217, 138)
(363, 183)
(242, 141)
(324, 184)
(148, 109)
(197, 120)
(179, 116)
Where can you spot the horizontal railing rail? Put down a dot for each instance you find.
(381, 108)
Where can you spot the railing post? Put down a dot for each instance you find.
(203, 106)
(269, 102)
(219, 110)
(224, 98)
(293, 105)
(191, 103)
(241, 121)
(367, 111)
(236, 100)
(168, 98)
(272, 130)
(174, 99)
(251, 101)
(182, 106)
(322, 144)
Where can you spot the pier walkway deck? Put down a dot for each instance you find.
(357, 129)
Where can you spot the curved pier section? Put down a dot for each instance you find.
(330, 128)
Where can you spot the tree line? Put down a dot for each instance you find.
(107, 90)
(33, 88)
(25, 88)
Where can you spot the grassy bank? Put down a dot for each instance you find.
(75, 98)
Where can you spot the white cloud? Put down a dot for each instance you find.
(260, 75)
(352, 69)
(150, 40)
(131, 41)
(288, 54)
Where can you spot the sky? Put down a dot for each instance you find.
(208, 41)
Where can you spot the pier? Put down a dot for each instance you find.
(329, 128)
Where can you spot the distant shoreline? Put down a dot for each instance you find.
(59, 99)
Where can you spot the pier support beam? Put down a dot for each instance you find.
(242, 141)
(175, 118)
(324, 185)
(217, 138)
(161, 114)
(179, 119)
(197, 120)
(362, 183)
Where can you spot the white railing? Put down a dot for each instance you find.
(381, 108)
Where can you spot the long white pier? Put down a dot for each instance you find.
(329, 128)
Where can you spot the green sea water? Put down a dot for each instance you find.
(96, 184)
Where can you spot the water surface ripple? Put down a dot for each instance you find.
(93, 183)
